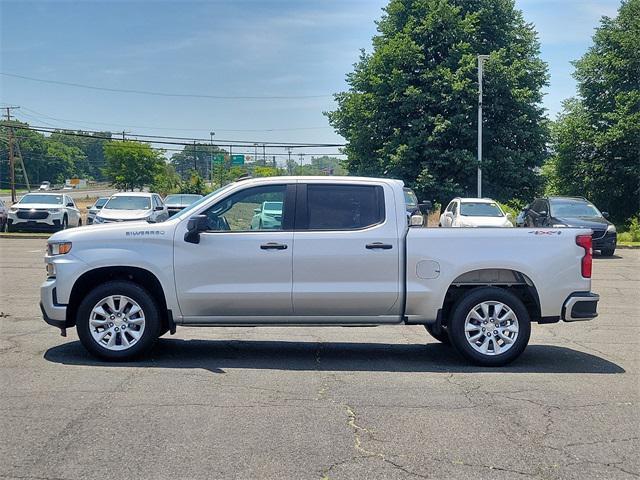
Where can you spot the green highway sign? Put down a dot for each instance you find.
(218, 159)
(237, 159)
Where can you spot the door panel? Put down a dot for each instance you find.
(240, 267)
(345, 272)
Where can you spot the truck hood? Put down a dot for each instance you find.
(104, 235)
(124, 214)
(584, 222)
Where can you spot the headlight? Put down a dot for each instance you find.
(53, 210)
(58, 248)
(13, 210)
(558, 225)
(98, 220)
(611, 228)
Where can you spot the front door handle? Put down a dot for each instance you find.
(379, 246)
(273, 246)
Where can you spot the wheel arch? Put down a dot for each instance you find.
(509, 279)
(97, 276)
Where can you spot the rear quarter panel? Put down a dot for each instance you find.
(549, 257)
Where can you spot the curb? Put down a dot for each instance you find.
(628, 247)
(25, 235)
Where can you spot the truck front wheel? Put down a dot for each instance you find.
(490, 326)
(118, 320)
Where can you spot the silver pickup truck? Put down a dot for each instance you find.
(327, 251)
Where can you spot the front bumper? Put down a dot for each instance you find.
(608, 241)
(580, 306)
(54, 314)
(52, 221)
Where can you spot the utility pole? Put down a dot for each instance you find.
(195, 157)
(264, 154)
(211, 134)
(481, 60)
(255, 152)
(289, 162)
(12, 171)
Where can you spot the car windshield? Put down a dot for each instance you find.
(182, 199)
(51, 199)
(128, 203)
(273, 206)
(480, 209)
(410, 199)
(574, 209)
(100, 202)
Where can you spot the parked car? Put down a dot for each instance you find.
(520, 219)
(3, 216)
(95, 208)
(44, 186)
(44, 211)
(575, 212)
(474, 212)
(354, 261)
(267, 216)
(179, 201)
(131, 206)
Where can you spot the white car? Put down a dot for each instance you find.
(45, 186)
(474, 212)
(95, 208)
(43, 211)
(341, 254)
(131, 206)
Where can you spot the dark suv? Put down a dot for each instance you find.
(558, 212)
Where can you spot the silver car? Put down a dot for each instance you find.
(95, 208)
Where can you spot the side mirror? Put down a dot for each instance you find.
(542, 213)
(509, 216)
(448, 214)
(416, 221)
(195, 225)
(159, 208)
(425, 207)
(257, 210)
(70, 204)
(605, 214)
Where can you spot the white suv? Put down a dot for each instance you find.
(43, 211)
(131, 206)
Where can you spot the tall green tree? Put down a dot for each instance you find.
(596, 139)
(131, 164)
(410, 111)
(92, 146)
(195, 157)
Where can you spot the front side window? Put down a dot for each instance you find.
(344, 207)
(257, 208)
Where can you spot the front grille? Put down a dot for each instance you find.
(32, 214)
(598, 234)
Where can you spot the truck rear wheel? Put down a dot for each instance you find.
(490, 326)
(118, 320)
(443, 336)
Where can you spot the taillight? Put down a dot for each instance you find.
(585, 242)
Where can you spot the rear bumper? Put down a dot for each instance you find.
(580, 306)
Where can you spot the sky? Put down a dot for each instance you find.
(299, 49)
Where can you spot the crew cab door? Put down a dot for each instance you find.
(241, 267)
(346, 254)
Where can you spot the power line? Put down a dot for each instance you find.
(165, 94)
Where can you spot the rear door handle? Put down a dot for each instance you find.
(273, 246)
(379, 246)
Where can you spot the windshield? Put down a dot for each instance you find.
(179, 198)
(31, 199)
(128, 203)
(410, 199)
(191, 208)
(277, 206)
(480, 209)
(574, 209)
(100, 202)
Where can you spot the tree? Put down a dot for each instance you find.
(195, 157)
(131, 164)
(166, 180)
(596, 139)
(410, 111)
(91, 144)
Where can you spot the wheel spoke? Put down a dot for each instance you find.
(111, 304)
(497, 309)
(103, 334)
(124, 340)
(507, 316)
(136, 321)
(476, 316)
(475, 337)
(471, 327)
(112, 339)
(134, 333)
(485, 310)
(98, 310)
(496, 345)
(484, 348)
(96, 322)
(134, 309)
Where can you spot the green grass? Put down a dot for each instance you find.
(629, 244)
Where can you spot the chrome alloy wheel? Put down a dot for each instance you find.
(491, 328)
(116, 322)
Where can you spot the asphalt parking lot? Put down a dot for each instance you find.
(338, 403)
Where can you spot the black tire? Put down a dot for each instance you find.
(65, 223)
(79, 222)
(442, 337)
(608, 252)
(134, 291)
(466, 304)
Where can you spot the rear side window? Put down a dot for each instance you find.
(344, 207)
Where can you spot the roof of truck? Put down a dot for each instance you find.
(326, 178)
